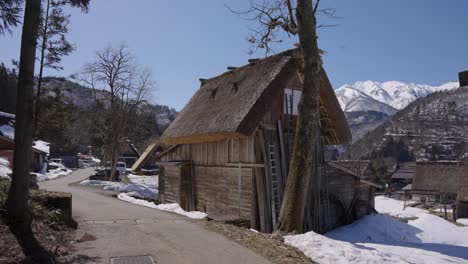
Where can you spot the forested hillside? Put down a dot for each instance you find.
(70, 120)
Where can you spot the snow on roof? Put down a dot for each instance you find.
(42, 146)
(7, 129)
(7, 125)
(4, 168)
(7, 115)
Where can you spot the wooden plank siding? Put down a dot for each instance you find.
(217, 191)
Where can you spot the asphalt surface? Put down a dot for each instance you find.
(124, 229)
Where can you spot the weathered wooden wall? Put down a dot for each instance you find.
(220, 176)
(216, 153)
(223, 192)
(173, 184)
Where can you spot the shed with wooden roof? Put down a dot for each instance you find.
(232, 142)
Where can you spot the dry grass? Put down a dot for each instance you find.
(270, 246)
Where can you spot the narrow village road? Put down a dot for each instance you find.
(124, 229)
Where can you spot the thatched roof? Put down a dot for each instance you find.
(233, 103)
(405, 171)
(436, 177)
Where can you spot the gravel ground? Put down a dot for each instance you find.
(267, 245)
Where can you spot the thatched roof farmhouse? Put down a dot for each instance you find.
(227, 152)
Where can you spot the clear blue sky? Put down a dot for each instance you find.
(421, 41)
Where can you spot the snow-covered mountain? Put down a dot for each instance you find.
(354, 100)
(385, 97)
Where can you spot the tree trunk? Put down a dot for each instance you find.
(307, 128)
(41, 70)
(18, 211)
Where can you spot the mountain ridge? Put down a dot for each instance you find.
(386, 95)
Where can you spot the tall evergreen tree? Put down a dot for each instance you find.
(53, 45)
(8, 85)
(10, 14)
(18, 212)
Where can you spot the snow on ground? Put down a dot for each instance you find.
(173, 207)
(4, 169)
(385, 205)
(137, 189)
(463, 221)
(381, 238)
(53, 173)
(151, 181)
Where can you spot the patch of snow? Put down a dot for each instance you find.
(151, 181)
(384, 239)
(141, 190)
(173, 207)
(395, 208)
(8, 131)
(4, 168)
(53, 174)
(463, 221)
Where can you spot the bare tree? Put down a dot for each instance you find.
(126, 86)
(275, 18)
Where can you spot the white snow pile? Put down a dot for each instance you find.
(4, 168)
(385, 205)
(141, 190)
(463, 221)
(381, 238)
(53, 173)
(151, 181)
(173, 207)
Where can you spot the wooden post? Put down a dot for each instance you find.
(239, 188)
(161, 184)
(263, 201)
(254, 212)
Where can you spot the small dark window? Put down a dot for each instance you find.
(235, 87)
(213, 93)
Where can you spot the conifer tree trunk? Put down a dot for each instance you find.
(18, 211)
(41, 69)
(307, 128)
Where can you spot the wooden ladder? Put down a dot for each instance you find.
(275, 184)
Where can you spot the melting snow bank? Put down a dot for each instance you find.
(52, 174)
(174, 208)
(150, 181)
(383, 239)
(137, 189)
(463, 221)
(4, 169)
(395, 208)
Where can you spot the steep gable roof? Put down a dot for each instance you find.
(233, 103)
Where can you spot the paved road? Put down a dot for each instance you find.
(124, 229)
